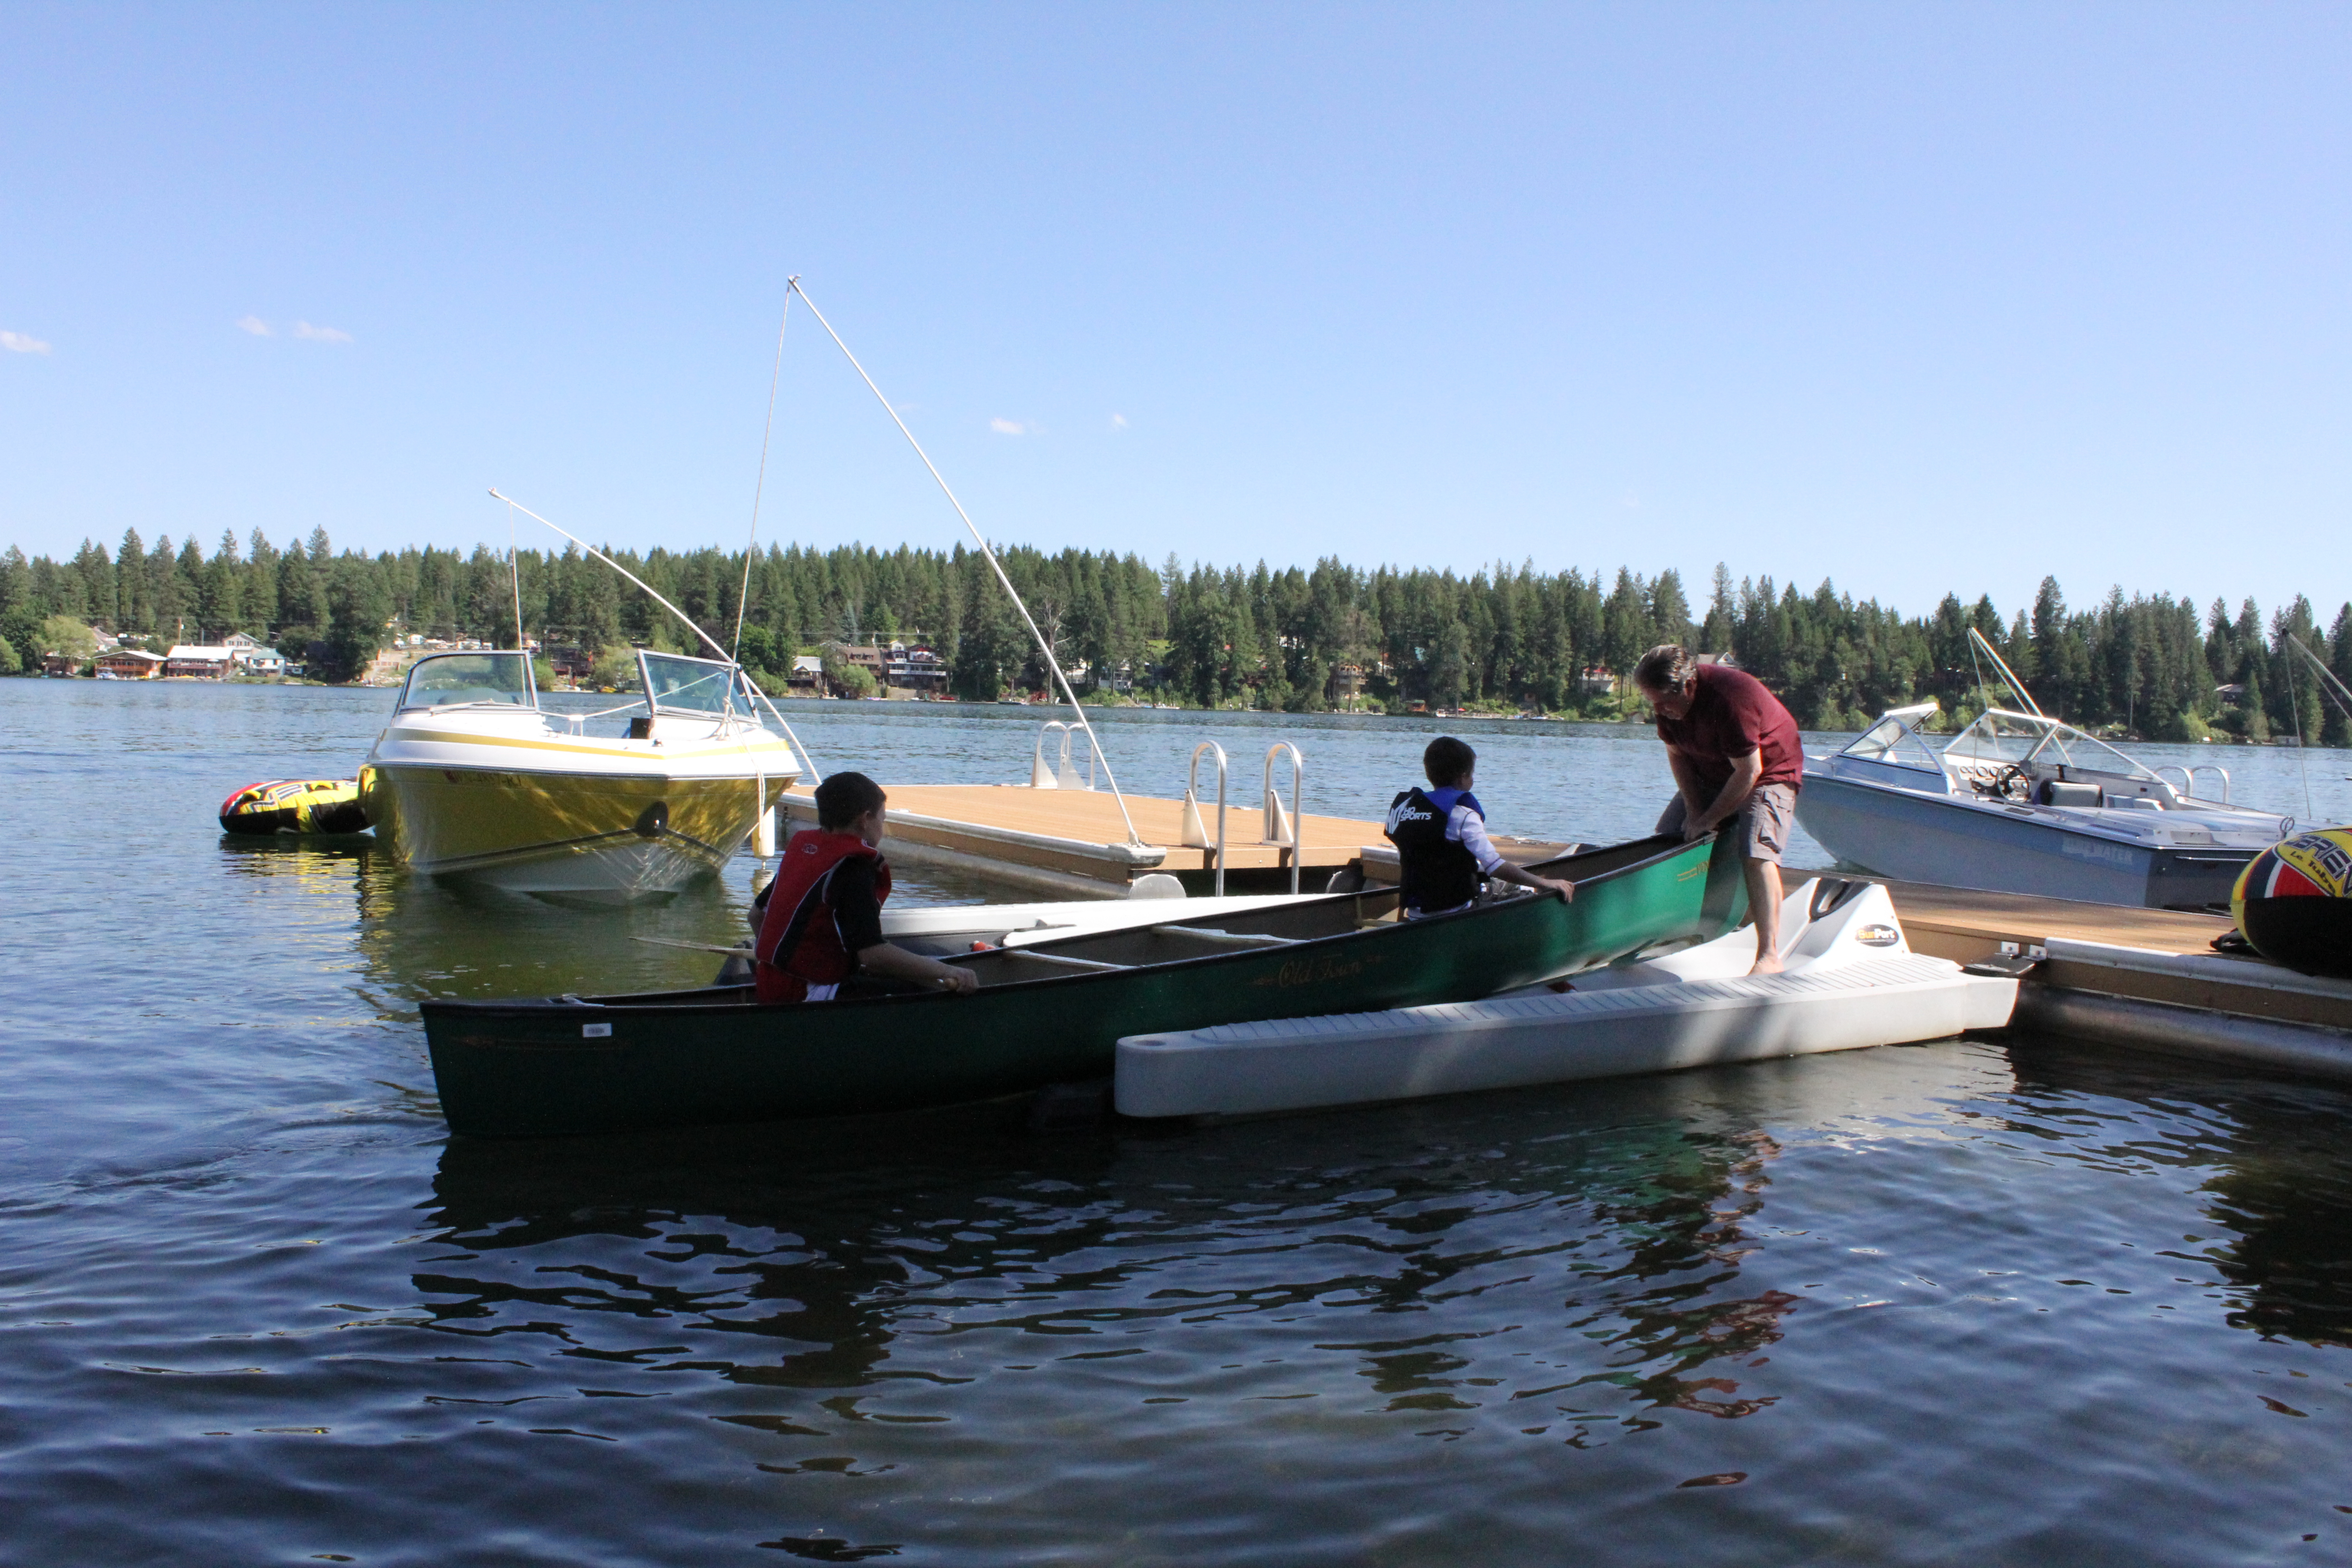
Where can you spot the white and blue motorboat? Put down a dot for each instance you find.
(2020, 803)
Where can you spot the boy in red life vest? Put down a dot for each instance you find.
(1442, 852)
(823, 920)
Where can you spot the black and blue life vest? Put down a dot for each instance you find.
(1438, 872)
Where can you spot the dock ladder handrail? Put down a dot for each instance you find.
(1195, 834)
(1063, 774)
(1283, 828)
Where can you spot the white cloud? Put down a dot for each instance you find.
(320, 334)
(22, 343)
(256, 325)
(1118, 421)
(1009, 427)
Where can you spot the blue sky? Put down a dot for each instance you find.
(1912, 297)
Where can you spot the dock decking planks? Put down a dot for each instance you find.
(1972, 924)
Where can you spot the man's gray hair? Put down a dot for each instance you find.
(1665, 668)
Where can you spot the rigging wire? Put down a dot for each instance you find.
(514, 570)
(743, 597)
(2302, 753)
(688, 620)
(2017, 688)
(1052, 663)
(2334, 689)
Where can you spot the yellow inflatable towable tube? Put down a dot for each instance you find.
(294, 805)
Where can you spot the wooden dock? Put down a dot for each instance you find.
(2144, 979)
(1076, 842)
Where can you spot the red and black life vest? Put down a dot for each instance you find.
(800, 944)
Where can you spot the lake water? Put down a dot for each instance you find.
(1971, 1303)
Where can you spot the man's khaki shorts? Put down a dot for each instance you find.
(1760, 826)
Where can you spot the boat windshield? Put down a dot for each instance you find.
(2001, 738)
(1896, 739)
(676, 685)
(452, 679)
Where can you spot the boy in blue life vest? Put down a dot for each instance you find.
(1443, 851)
(823, 912)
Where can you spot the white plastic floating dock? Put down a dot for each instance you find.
(1851, 985)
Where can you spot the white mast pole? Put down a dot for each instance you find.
(1052, 663)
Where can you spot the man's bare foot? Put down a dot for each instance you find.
(1767, 966)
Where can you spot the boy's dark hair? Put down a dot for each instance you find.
(842, 798)
(1447, 760)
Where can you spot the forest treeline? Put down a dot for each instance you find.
(1509, 637)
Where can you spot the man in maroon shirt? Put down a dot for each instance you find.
(1738, 762)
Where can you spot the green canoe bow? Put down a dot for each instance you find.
(1053, 1011)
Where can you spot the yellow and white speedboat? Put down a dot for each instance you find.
(472, 778)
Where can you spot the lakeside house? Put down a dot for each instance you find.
(916, 669)
(899, 666)
(198, 661)
(129, 664)
(237, 653)
(570, 661)
(867, 657)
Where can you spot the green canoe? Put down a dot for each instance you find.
(1051, 1012)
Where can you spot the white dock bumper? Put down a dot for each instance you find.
(1353, 1058)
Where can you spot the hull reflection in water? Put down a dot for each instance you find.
(920, 1301)
(2278, 1199)
(426, 936)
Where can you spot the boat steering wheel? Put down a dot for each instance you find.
(2009, 783)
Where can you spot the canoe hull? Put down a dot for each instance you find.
(542, 1069)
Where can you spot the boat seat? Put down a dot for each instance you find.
(2062, 792)
(641, 728)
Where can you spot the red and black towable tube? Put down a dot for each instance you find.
(2294, 902)
(294, 805)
